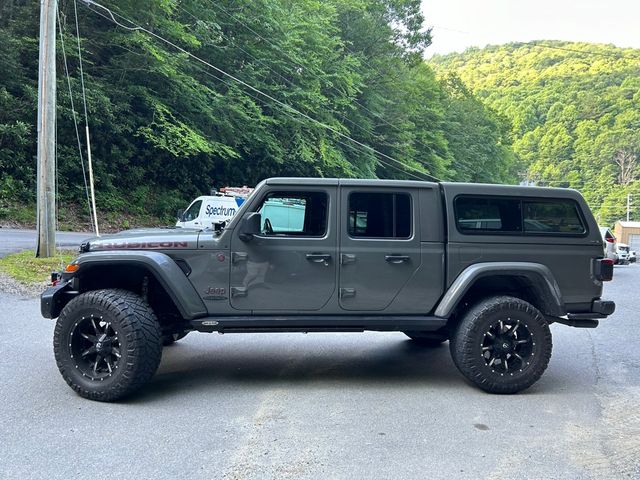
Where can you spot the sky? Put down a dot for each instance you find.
(458, 24)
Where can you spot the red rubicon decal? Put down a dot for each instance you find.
(140, 245)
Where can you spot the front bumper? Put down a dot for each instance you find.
(53, 299)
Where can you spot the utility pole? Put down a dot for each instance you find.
(628, 205)
(47, 130)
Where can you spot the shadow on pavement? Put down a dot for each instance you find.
(398, 363)
(401, 363)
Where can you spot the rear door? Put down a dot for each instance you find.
(379, 246)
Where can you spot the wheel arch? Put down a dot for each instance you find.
(532, 282)
(98, 270)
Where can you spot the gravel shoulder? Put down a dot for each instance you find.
(10, 286)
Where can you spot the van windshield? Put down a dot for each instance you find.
(192, 212)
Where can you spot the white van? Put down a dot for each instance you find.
(206, 211)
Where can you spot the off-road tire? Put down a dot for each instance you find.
(427, 339)
(138, 335)
(172, 338)
(467, 342)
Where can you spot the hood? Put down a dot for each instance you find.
(145, 239)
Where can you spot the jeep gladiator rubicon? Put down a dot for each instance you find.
(487, 267)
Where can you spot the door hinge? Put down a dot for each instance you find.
(239, 291)
(347, 292)
(346, 258)
(237, 257)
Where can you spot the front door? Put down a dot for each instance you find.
(379, 247)
(291, 264)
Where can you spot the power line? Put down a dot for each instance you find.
(286, 80)
(264, 102)
(295, 63)
(86, 123)
(298, 120)
(251, 87)
(73, 110)
(585, 52)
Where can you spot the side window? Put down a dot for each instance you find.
(552, 217)
(294, 213)
(475, 214)
(193, 211)
(379, 215)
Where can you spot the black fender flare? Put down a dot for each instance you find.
(543, 282)
(161, 266)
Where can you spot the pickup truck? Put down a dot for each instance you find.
(485, 267)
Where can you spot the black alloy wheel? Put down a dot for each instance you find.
(502, 344)
(95, 347)
(508, 346)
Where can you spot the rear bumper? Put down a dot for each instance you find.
(599, 309)
(604, 307)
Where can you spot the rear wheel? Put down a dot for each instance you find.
(107, 344)
(502, 344)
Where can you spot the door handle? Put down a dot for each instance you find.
(318, 257)
(397, 258)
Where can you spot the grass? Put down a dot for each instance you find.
(27, 269)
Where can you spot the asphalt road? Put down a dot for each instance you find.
(294, 406)
(14, 240)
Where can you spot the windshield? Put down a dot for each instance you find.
(192, 212)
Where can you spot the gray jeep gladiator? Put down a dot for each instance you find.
(487, 267)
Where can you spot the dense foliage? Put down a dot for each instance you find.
(574, 110)
(166, 127)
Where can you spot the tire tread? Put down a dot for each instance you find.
(463, 345)
(142, 331)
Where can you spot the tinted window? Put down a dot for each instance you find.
(294, 213)
(556, 216)
(516, 216)
(379, 215)
(488, 214)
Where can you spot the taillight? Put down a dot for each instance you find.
(610, 240)
(603, 269)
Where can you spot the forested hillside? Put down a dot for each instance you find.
(166, 127)
(574, 110)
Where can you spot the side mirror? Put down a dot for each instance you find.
(180, 215)
(250, 226)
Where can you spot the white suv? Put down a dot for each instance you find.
(624, 256)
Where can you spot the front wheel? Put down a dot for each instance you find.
(107, 344)
(502, 344)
